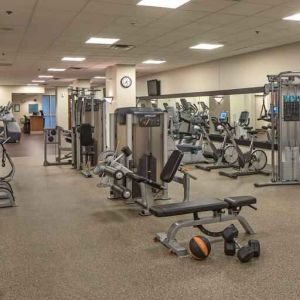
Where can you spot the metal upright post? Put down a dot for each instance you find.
(273, 133)
(165, 149)
(103, 124)
(129, 132)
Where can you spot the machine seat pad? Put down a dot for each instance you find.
(240, 201)
(183, 208)
(171, 167)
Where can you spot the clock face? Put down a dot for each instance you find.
(267, 89)
(126, 82)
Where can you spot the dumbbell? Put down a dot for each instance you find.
(245, 253)
(255, 245)
(229, 234)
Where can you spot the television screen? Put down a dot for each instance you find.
(153, 87)
(223, 116)
(33, 108)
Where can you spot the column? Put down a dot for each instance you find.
(121, 85)
(62, 107)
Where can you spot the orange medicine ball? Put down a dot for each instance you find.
(199, 247)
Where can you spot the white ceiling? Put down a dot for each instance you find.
(40, 32)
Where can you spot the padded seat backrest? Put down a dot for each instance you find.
(171, 166)
(86, 135)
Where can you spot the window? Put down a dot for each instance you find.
(49, 109)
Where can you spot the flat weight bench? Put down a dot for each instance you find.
(231, 205)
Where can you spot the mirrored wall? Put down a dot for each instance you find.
(256, 105)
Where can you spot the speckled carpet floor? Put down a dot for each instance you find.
(65, 240)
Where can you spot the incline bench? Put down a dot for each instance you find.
(231, 205)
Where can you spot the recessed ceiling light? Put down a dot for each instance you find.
(207, 46)
(68, 58)
(39, 81)
(153, 62)
(163, 3)
(99, 77)
(101, 41)
(295, 17)
(32, 84)
(45, 76)
(56, 70)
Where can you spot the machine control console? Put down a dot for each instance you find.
(149, 120)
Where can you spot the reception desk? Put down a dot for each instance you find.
(36, 125)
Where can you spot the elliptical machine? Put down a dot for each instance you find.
(10, 127)
(7, 198)
(243, 125)
(184, 132)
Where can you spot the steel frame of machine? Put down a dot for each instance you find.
(145, 132)
(285, 119)
(86, 108)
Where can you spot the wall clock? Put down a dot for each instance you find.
(126, 82)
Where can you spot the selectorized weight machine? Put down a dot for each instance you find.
(88, 129)
(285, 128)
(139, 169)
(144, 131)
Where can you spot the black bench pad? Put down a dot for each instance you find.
(183, 208)
(239, 201)
(188, 148)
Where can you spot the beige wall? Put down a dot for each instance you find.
(6, 92)
(248, 70)
(24, 100)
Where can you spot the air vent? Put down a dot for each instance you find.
(5, 64)
(122, 47)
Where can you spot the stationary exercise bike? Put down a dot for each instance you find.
(224, 156)
(250, 162)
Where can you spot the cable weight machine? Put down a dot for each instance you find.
(285, 121)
